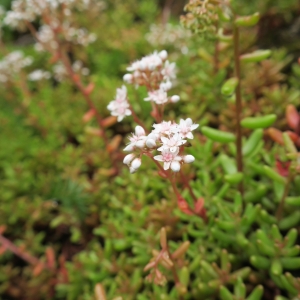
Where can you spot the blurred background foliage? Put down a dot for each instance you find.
(58, 201)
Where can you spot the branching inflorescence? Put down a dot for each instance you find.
(169, 138)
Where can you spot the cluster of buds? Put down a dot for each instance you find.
(168, 138)
(169, 34)
(202, 15)
(156, 73)
(12, 64)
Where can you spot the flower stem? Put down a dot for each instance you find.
(238, 104)
(188, 186)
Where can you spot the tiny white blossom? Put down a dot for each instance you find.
(137, 140)
(159, 96)
(120, 106)
(164, 128)
(169, 70)
(186, 127)
(172, 143)
(169, 159)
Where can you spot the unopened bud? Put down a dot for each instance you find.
(175, 166)
(139, 130)
(188, 159)
(175, 98)
(127, 78)
(136, 163)
(150, 143)
(128, 158)
(163, 54)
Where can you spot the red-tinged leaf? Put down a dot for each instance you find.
(283, 167)
(109, 121)
(199, 205)
(275, 135)
(88, 115)
(292, 117)
(294, 137)
(115, 143)
(162, 174)
(38, 269)
(184, 207)
(50, 258)
(2, 250)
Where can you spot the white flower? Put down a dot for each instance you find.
(172, 143)
(159, 96)
(175, 98)
(186, 127)
(164, 127)
(169, 70)
(169, 159)
(120, 106)
(137, 140)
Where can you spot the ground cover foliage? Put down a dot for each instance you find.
(76, 224)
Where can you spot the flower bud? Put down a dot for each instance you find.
(175, 166)
(175, 98)
(166, 85)
(132, 170)
(163, 54)
(136, 163)
(128, 158)
(127, 78)
(139, 130)
(188, 159)
(150, 143)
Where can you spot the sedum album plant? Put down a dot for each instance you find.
(210, 209)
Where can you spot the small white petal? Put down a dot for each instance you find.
(190, 135)
(128, 148)
(132, 170)
(159, 158)
(167, 165)
(175, 166)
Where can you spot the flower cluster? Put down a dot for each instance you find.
(37, 75)
(166, 137)
(154, 72)
(29, 10)
(169, 34)
(60, 72)
(12, 64)
(120, 106)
